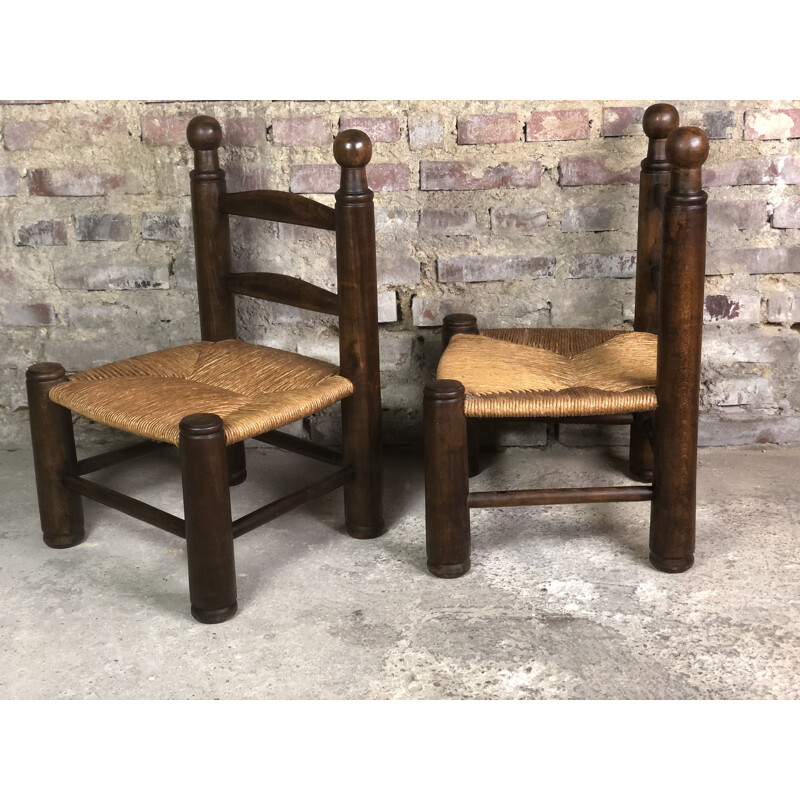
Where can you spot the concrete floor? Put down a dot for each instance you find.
(561, 601)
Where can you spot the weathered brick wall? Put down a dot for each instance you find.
(522, 212)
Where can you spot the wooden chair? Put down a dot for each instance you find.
(649, 378)
(208, 397)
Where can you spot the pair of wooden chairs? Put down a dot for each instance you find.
(208, 397)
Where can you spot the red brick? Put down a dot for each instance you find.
(742, 215)
(775, 123)
(602, 265)
(787, 213)
(425, 131)
(44, 233)
(244, 131)
(9, 181)
(518, 220)
(88, 130)
(379, 129)
(592, 171)
(744, 308)
(324, 178)
(245, 177)
(449, 222)
(767, 170)
(103, 228)
(28, 315)
(471, 269)
(551, 126)
(592, 218)
(429, 312)
(164, 131)
(80, 183)
(23, 135)
(623, 121)
(488, 129)
(463, 176)
(398, 270)
(387, 306)
(755, 260)
(301, 131)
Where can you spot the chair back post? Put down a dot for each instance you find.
(680, 335)
(658, 122)
(212, 241)
(358, 334)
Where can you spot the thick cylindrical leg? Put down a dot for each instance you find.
(237, 464)
(60, 510)
(207, 508)
(458, 323)
(359, 354)
(672, 521)
(640, 454)
(446, 481)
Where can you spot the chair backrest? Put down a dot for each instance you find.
(352, 220)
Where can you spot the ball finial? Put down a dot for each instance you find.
(204, 133)
(687, 148)
(352, 148)
(660, 120)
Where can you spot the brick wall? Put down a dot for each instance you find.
(521, 212)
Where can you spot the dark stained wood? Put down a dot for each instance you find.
(284, 289)
(237, 464)
(546, 497)
(658, 122)
(126, 504)
(672, 523)
(446, 482)
(208, 467)
(294, 209)
(457, 323)
(212, 240)
(207, 507)
(358, 336)
(275, 509)
(103, 460)
(60, 511)
(294, 444)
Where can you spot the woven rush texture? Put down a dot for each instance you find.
(252, 388)
(553, 372)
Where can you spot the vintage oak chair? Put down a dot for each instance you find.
(208, 397)
(650, 375)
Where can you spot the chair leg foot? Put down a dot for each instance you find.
(446, 483)
(674, 565)
(60, 510)
(207, 508)
(214, 616)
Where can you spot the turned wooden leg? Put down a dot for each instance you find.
(457, 323)
(207, 508)
(446, 481)
(237, 464)
(60, 510)
(640, 454)
(672, 521)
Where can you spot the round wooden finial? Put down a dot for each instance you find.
(660, 120)
(204, 133)
(687, 148)
(352, 148)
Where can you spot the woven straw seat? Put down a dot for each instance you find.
(253, 389)
(556, 372)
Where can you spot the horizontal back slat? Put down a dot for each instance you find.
(294, 209)
(283, 289)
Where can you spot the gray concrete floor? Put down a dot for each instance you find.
(560, 603)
